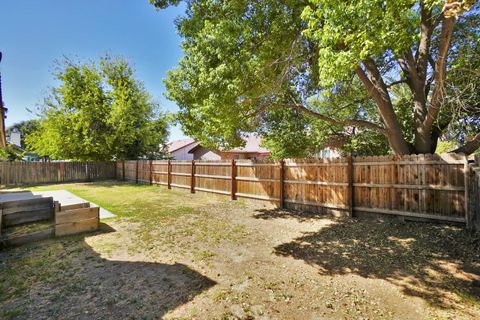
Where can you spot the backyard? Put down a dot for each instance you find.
(177, 255)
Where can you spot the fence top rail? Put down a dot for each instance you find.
(55, 162)
(444, 158)
(448, 158)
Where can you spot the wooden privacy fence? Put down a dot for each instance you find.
(420, 186)
(23, 173)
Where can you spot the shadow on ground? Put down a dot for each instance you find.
(65, 277)
(434, 262)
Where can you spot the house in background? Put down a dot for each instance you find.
(252, 150)
(199, 152)
(15, 137)
(178, 149)
(188, 149)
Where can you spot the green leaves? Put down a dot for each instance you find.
(244, 60)
(98, 112)
(348, 32)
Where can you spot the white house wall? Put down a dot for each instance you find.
(182, 154)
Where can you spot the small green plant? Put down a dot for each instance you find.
(203, 255)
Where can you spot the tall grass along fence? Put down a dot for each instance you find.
(22, 173)
(419, 186)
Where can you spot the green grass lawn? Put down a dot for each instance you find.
(129, 200)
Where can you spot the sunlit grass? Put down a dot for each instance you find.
(143, 202)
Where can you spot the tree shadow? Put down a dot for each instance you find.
(72, 280)
(433, 262)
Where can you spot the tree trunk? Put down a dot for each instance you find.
(378, 91)
(424, 142)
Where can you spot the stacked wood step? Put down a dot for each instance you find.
(24, 221)
(30, 220)
(76, 218)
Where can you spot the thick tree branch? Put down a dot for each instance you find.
(404, 66)
(394, 83)
(423, 52)
(417, 83)
(378, 92)
(377, 89)
(350, 122)
(469, 147)
(440, 73)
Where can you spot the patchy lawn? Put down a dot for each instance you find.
(176, 255)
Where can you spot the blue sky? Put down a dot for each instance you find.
(33, 34)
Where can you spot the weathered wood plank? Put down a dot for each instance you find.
(27, 208)
(212, 191)
(26, 202)
(16, 240)
(75, 206)
(412, 214)
(76, 215)
(76, 227)
(257, 197)
(22, 217)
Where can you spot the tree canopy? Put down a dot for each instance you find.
(340, 65)
(99, 111)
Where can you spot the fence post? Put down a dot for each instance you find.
(123, 170)
(394, 179)
(136, 171)
(87, 171)
(475, 207)
(192, 177)
(466, 170)
(351, 191)
(282, 184)
(115, 171)
(233, 187)
(150, 172)
(169, 174)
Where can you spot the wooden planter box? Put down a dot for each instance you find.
(75, 221)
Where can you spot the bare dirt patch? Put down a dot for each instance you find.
(183, 256)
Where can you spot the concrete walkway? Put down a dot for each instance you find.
(64, 197)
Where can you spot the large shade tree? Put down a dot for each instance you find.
(246, 58)
(99, 111)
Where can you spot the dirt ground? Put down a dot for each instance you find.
(204, 257)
